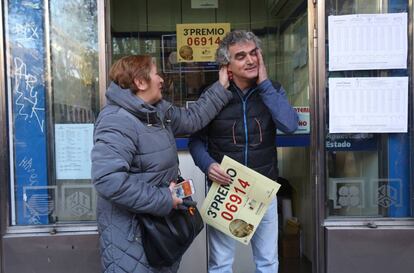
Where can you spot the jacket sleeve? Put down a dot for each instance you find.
(283, 114)
(112, 154)
(201, 112)
(198, 150)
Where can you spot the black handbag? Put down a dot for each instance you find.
(165, 239)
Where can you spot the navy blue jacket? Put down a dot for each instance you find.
(245, 129)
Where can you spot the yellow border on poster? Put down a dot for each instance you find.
(238, 208)
(198, 42)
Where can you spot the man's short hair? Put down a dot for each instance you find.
(231, 38)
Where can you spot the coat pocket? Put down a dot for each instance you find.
(133, 229)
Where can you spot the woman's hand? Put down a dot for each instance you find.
(224, 76)
(176, 200)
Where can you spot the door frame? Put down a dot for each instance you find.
(4, 159)
(316, 30)
(318, 84)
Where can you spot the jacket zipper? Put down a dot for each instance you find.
(246, 134)
(164, 117)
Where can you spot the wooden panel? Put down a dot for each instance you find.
(197, 15)
(235, 12)
(259, 14)
(128, 16)
(163, 15)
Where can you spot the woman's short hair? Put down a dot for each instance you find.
(125, 70)
(231, 38)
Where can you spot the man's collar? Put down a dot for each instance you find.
(245, 91)
(232, 83)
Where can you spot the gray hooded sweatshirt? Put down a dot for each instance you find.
(134, 158)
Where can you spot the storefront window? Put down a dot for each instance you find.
(292, 60)
(368, 172)
(53, 101)
(139, 27)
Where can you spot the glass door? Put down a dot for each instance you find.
(141, 27)
(364, 134)
(366, 141)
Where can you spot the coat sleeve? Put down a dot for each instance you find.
(198, 150)
(201, 112)
(112, 154)
(283, 114)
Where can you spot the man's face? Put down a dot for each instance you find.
(243, 61)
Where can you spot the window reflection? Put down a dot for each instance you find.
(74, 76)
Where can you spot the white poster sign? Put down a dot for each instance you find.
(304, 119)
(368, 105)
(73, 145)
(368, 41)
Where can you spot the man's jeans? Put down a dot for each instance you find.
(263, 242)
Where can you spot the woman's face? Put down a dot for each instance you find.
(155, 85)
(151, 93)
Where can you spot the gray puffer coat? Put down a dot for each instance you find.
(133, 160)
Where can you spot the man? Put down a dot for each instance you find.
(245, 130)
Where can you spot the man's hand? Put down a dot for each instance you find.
(262, 75)
(176, 200)
(224, 77)
(217, 174)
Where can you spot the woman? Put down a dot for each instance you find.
(134, 158)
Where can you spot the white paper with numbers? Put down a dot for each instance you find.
(368, 105)
(368, 41)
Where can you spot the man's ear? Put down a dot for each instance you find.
(141, 84)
